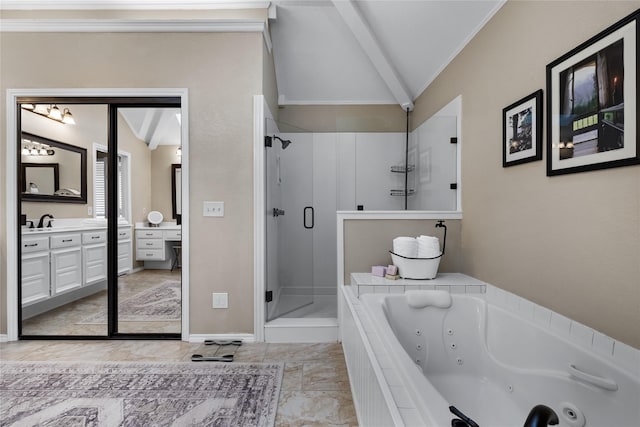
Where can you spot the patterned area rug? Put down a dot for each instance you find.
(139, 394)
(159, 303)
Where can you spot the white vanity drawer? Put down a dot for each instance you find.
(149, 244)
(94, 237)
(172, 234)
(65, 240)
(35, 244)
(149, 254)
(150, 234)
(124, 233)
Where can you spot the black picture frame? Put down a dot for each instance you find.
(522, 130)
(592, 96)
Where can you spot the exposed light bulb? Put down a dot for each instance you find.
(55, 114)
(67, 117)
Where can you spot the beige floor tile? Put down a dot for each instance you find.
(302, 352)
(328, 375)
(251, 352)
(315, 408)
(292, 378)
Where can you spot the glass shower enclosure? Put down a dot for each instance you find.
(289, 225)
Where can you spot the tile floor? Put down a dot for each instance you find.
(315, 389)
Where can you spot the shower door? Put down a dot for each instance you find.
(289, 223)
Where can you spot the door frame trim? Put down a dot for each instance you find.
(260, 112)
(11, 274)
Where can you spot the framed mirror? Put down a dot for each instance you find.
(40, 178)
(176, 190)
(52, 171)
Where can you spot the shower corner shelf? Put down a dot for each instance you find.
(402, 192)
(402, 169)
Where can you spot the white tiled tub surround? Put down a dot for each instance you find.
(373, 367)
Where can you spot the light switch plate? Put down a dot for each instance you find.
(213, 209)
(220, 300)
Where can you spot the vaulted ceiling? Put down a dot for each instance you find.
(369, 51)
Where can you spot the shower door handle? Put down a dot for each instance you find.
(304, 217)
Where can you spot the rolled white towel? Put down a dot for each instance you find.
(428, 246)
(405, 246)
(422, 299)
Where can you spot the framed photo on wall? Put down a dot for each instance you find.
(522, 130)
(592, 96)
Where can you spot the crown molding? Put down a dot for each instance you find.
(130, 25)
(136, 26)
(131, 4)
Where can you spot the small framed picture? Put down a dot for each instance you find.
(522, 130)
(592, 96)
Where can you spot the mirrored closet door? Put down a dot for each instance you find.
(100, 207)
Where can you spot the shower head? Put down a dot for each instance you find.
(285, 142)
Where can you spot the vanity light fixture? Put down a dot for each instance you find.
(51, 112)
(31, 148)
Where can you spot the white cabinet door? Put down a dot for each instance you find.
(35, 277)
(95, 263)
(66, 270)
(124, 256)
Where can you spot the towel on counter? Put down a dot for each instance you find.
(428, 246)
(406, 247)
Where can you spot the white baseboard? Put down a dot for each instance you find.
(247, 338)
(301, 330)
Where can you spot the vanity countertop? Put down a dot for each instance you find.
(66, 229)
(161, 226)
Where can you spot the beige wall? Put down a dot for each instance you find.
(570, 243)
(342, 118)
(222, 72)
(368, 242)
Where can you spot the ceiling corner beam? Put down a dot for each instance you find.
(362, 32)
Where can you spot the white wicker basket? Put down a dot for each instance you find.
(416, 268)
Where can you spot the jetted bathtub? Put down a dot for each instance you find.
(492, 364)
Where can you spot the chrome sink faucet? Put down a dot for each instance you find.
(42, 218)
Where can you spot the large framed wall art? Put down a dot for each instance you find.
(592, 94)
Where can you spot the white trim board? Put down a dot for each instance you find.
(131, 25)
(245, 338)
(131, 5)
(138, 26)
(12, 177)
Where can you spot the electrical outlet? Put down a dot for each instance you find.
(213, 209)
(220, 300)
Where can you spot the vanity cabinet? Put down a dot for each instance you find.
(150, 245)
(94, 256)
(124, 250)
(66, 263)
(35, 269)
(155, 246)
